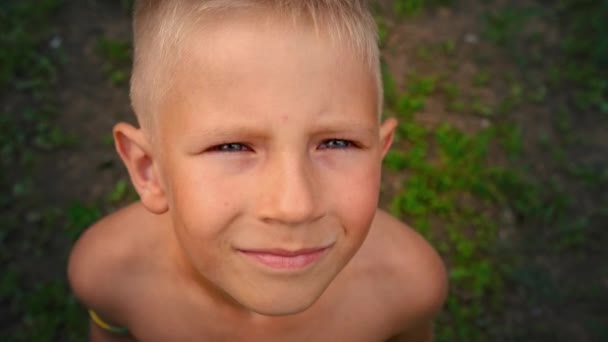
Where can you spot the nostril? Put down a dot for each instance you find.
(289, 206)
(289, 193)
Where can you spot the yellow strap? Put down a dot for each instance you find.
(106, 326)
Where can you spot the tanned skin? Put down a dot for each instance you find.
(390, 291)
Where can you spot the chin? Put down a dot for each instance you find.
(285, 301)
(284, 307)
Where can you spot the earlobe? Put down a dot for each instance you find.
(387, 132)
(135, 152)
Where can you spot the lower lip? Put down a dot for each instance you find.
(288, 263)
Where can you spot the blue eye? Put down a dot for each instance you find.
(336, 144)
(231, 147)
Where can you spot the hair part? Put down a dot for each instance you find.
(160, 27)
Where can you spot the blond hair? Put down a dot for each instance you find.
(161, 25)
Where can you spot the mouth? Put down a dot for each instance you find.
(285, 260)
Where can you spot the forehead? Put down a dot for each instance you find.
(255, 66)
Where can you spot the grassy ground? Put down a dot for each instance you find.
(500, 159)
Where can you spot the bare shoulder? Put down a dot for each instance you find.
(413, 278)
(106, 259)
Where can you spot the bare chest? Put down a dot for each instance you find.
(212, 329)
(172, 319)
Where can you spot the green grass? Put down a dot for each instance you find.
(413, 7)
(24, 27)
(585, 47)
(452, 193)
(29, 63)
(503, 26)
(117, 57)
(433, 191)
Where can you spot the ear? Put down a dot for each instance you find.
(135, 151)
(387, 133)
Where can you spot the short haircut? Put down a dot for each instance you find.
(160, 26)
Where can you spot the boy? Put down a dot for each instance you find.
(257, 162)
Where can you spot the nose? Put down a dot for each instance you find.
(289, 193)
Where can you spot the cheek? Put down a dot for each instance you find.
(355, 198)
(201, 213)
(200, 204)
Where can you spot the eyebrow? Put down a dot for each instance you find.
(227, 132)
(337, 126)
(254, 130)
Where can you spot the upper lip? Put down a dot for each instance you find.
(285, 252)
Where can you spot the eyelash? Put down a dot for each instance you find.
(228, 148)
(240, 147)
(346, 144)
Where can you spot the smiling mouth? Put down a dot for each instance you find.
(279, 259)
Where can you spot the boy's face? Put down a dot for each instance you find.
(271, 153)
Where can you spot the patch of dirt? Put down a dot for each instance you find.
(90, 104)
(88, 108)
(556, 294)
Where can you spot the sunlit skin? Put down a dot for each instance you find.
(261, 182)
(273, 143)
